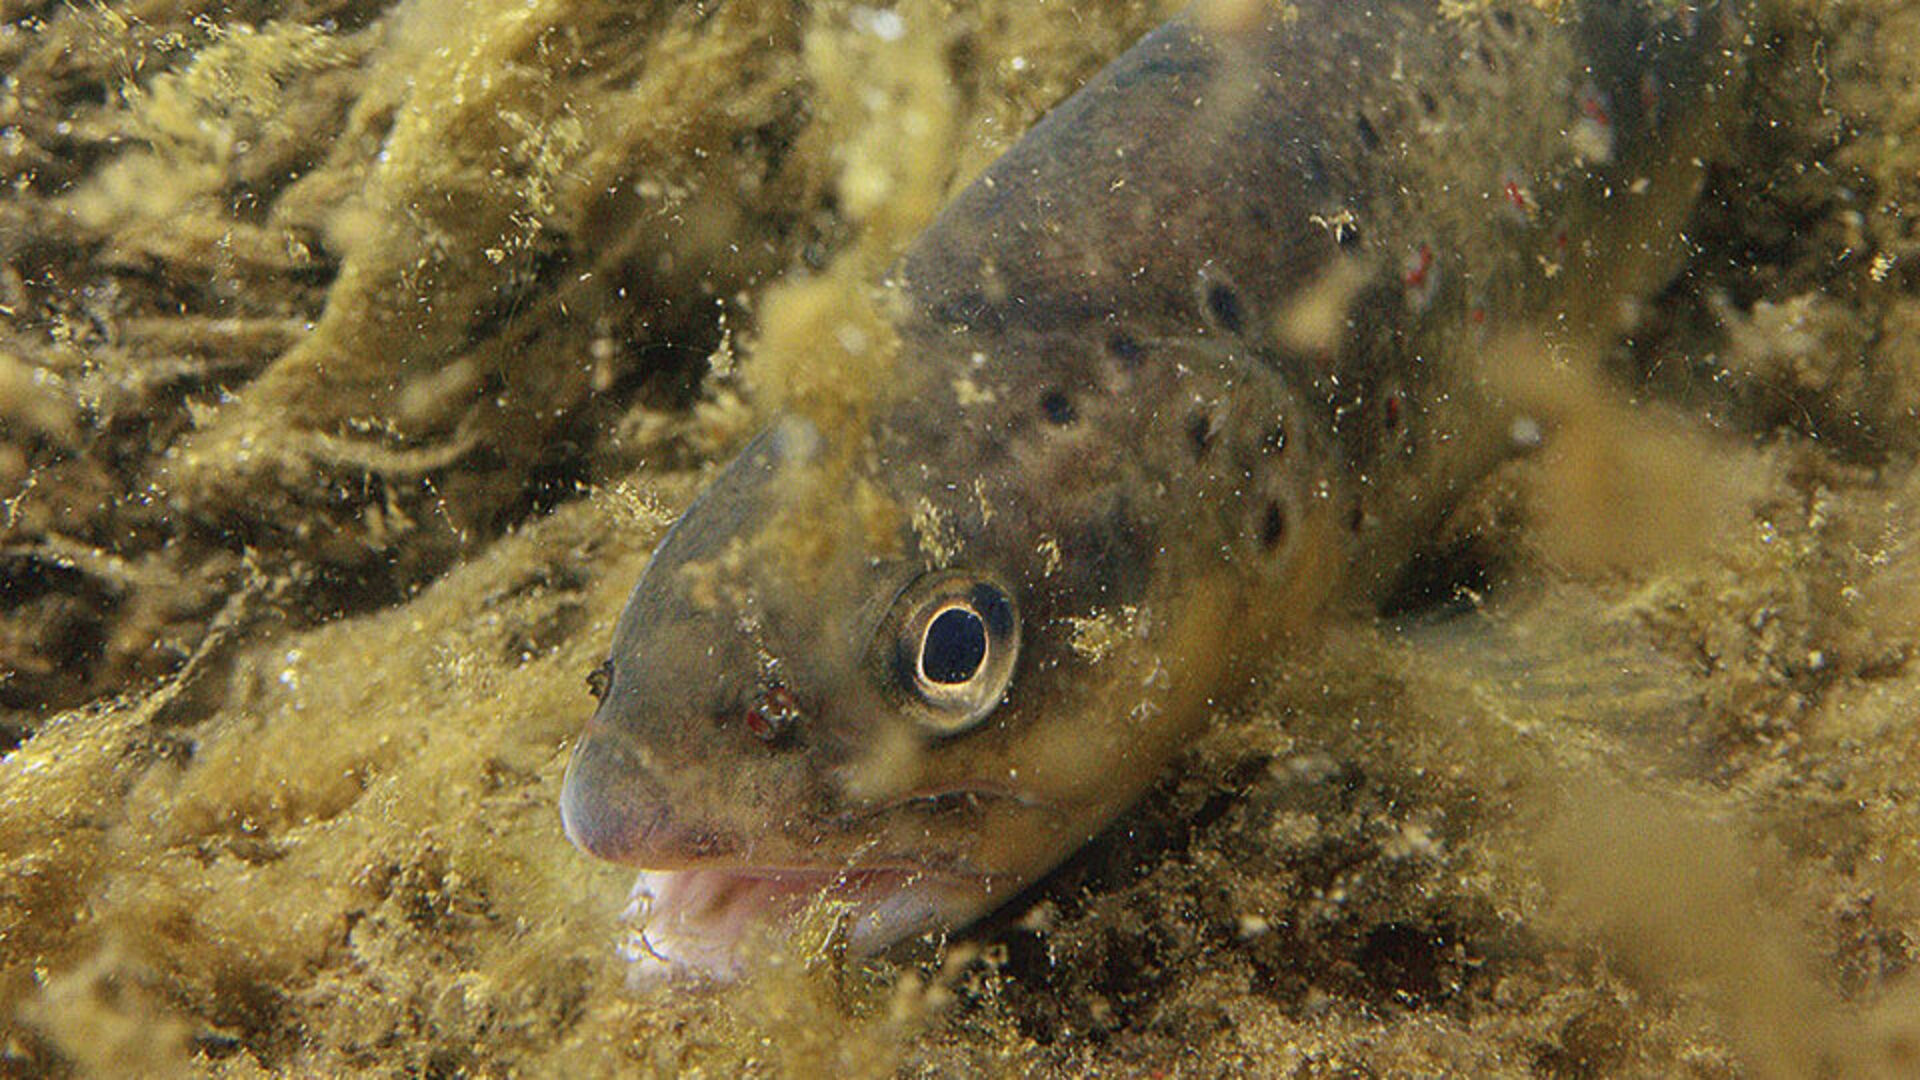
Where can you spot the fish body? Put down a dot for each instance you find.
(1191, 364)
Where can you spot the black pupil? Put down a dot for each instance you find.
(955, 644)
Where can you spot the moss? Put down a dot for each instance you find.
(355, 358)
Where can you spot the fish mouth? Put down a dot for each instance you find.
(703, 924)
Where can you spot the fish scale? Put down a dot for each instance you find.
(1196, 362)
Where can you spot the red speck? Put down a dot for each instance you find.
(1477, 316)
(1390, 410)
(1595, 110)
(1421, 276)
(1517, 197)
(1418, 267)
(773, 714)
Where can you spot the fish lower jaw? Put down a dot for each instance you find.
(705, 924)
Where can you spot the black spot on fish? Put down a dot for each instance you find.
(1369, 138)
(1126, 348)
(1487, 60)
(1428, 103)
(1273, 525)
(1505, 19)
(1346, 233)
(1055, 406)
(1224, 304)
(1200, 433)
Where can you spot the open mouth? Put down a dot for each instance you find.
(701, 923)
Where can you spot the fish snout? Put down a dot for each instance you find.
(613, 809)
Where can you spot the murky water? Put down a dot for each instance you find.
(354, 359)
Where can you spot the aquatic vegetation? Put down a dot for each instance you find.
(326, 464)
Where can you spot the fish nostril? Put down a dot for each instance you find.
(774, 714)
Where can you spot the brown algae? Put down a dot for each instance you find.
(332, 459)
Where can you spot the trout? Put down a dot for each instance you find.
(1194, 365)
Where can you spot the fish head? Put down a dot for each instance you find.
(784, 717)
(909, 677)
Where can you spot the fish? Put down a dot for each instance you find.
(1195, 366)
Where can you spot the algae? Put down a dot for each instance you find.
(353, 357)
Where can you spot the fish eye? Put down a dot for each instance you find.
(955, 637)
(953, 646)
